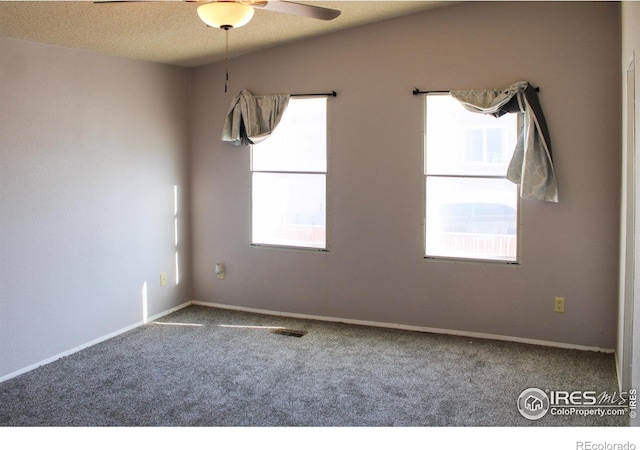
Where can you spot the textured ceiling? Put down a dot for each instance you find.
(170, 32)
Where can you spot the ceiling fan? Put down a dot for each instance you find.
(230, 14)
(227, 14)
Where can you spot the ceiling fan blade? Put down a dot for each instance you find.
(298, 9)
(145, 1)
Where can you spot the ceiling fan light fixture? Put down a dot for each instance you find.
(225, 14)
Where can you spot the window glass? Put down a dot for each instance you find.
(471, 210)
(464, 143)
(289, 209)
(299, 142)
(288, 181)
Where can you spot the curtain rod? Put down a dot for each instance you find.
(417, 91)
(327, 94)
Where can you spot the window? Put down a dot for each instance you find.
(471, 210)
(289, 178)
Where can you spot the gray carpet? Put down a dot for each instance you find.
(211, 367)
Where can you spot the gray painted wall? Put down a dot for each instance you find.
(91, 148)
(374, 270)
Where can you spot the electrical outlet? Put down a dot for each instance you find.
(220, 271)
(163, 279)
(559, 304)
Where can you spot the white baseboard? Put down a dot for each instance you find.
(469, 334)
(91, 343)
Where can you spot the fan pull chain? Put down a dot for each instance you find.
(226, 59)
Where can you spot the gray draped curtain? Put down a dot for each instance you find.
(531, 165)
(251, 119)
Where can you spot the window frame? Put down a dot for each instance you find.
(304, 248)
(425, 176)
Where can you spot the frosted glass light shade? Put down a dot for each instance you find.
(225, 14)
